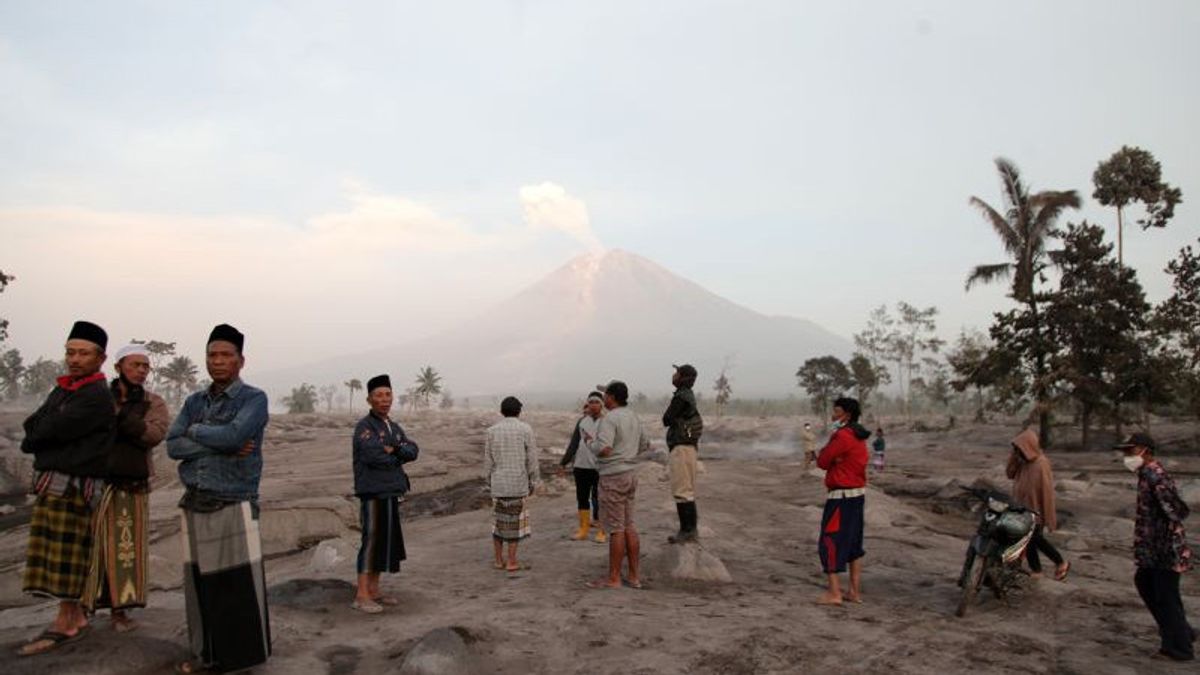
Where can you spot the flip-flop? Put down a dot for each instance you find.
(637, 586)
(386, 600)
(600, 585)
(55, 638)
(1062, 576)
(190, 666)
(368, 607)
(498, 566)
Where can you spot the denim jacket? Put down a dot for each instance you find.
(208, 434)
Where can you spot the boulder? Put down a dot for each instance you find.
(442, 651)
(329, 555)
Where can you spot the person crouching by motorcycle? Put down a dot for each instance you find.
(1160, 547)
(844, 459)
(1033, 488)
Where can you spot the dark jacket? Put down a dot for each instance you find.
(378, 473)
(141, 425)
(844, 458)
(73, 430)
(682, 419)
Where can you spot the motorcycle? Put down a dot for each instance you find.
(994, 556)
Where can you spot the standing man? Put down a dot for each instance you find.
(844, 459)
(381, 448)
(684, 425)
(510, 466)
(1033, 488)
(620, 439)
(810, 446)
(217, 439)
(69, 436)
(121, 554)
(581, 454)
(1160, 547)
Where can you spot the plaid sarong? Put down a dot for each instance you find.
(382, 539)
(120, 557)
(512, 519)
(224, 587)
(60, 544)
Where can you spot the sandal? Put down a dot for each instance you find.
(386, 600)
(366, 606)
(1061, 575)
(190, 666)
(53, 640)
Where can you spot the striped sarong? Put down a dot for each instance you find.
(382, 539)
(60, 545)
(512, 519)
(120, 557)
(224, 587)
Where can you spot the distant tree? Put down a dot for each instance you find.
(41, 376)
(824, 378)
(1175, 321)
(160, 352)
(179, 376)
(934, 384)
(303, 399)
(912, 338)
(866, 377)
(12, 368)
(353, 385)
(1134, 175)
(428, 385)
(327, 393)
(1097, 316)
(874, 343)
(969, 363)
(4, 281)
(447, 401)
(1023, 225)
(724, 392)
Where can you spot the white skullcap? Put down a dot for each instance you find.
(132, 349)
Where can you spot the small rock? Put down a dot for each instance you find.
(328, 555)
(7, 509)
(691, 562)
(441, 652)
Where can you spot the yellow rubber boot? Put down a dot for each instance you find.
(600, 536)
(585, 521)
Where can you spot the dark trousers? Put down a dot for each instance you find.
(1039, 543)
(587, 488)
(1160, 591)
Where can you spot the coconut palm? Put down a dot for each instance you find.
(180, 376)
(353, 385)
(429, 384)
(1023, 227)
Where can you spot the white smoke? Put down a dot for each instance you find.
(547, 205)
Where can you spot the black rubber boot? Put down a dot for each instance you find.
(681, 535)
(693, 527)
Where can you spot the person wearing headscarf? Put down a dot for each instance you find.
(380, 449)
(120, 557)
(217, 439)
(1033, 488)
(69, 436)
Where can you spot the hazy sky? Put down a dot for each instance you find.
(337, 176)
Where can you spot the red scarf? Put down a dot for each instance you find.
(65, 381)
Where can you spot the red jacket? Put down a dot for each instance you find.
(844, 458)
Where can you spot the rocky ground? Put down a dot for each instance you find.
(759, 515)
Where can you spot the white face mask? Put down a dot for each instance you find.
(1133, 462)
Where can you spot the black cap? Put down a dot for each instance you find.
(227, 333)
(377, 382)
(1134, 440)
(86, 330)
(686, 370)
(510, 406)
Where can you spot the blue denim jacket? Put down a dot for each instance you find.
(209, 432)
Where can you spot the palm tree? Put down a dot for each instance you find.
(429, 383)
(1023, 227)
(180, 376)
(353, 385)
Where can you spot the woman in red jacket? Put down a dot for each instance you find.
(844, 459)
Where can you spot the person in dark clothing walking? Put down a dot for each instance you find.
(684, 425)
(1160, 547)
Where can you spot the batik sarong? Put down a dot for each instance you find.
(512, 519)
(120, 556)
(60, 545)
(382, 546)
(224, 587)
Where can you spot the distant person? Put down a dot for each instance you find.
(844, 459)
(621, 439)
(510, 466)
(380, 451)
(1033, 487)
(120, 560)
(684, 426)
(217, 439)
(581, 456)
(878, 446)
(1160, 548)
(810, 446)
(69, 435)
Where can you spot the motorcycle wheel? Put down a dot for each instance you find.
(971, 588)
